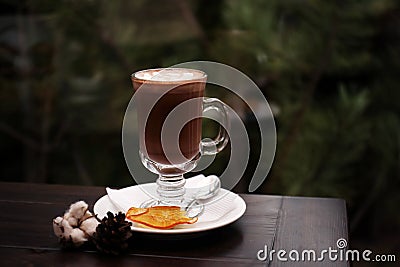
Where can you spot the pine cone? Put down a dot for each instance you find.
(112, 234)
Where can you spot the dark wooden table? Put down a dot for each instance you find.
(27, 239)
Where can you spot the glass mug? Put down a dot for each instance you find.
(170, 106)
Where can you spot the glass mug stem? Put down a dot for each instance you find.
(171, 189)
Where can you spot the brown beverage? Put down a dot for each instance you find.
(172, 87)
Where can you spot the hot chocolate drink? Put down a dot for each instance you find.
(159, 92)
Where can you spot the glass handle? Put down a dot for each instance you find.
(213, 146)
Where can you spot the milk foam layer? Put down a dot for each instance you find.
(170, 75)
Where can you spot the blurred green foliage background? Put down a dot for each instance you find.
(330, 70)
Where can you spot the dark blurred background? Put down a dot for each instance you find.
(329, 69)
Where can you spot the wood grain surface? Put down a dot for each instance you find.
(27, 239)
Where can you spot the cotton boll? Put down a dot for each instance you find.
(57, 227)
(71, 219)
(76, 226)
(89, 226)
(78, 236)
(78, 209)
(87, 215)
(61, 227)
(66, 228)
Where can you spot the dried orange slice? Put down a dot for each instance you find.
(136, 211)
(160, 217)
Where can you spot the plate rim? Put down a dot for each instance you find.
(240, 207)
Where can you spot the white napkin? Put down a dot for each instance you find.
(122, 201)
(215, 208)
(218, 207)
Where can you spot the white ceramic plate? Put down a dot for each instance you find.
(103, 205)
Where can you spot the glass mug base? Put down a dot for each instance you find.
(192, 207)
(171, 186)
